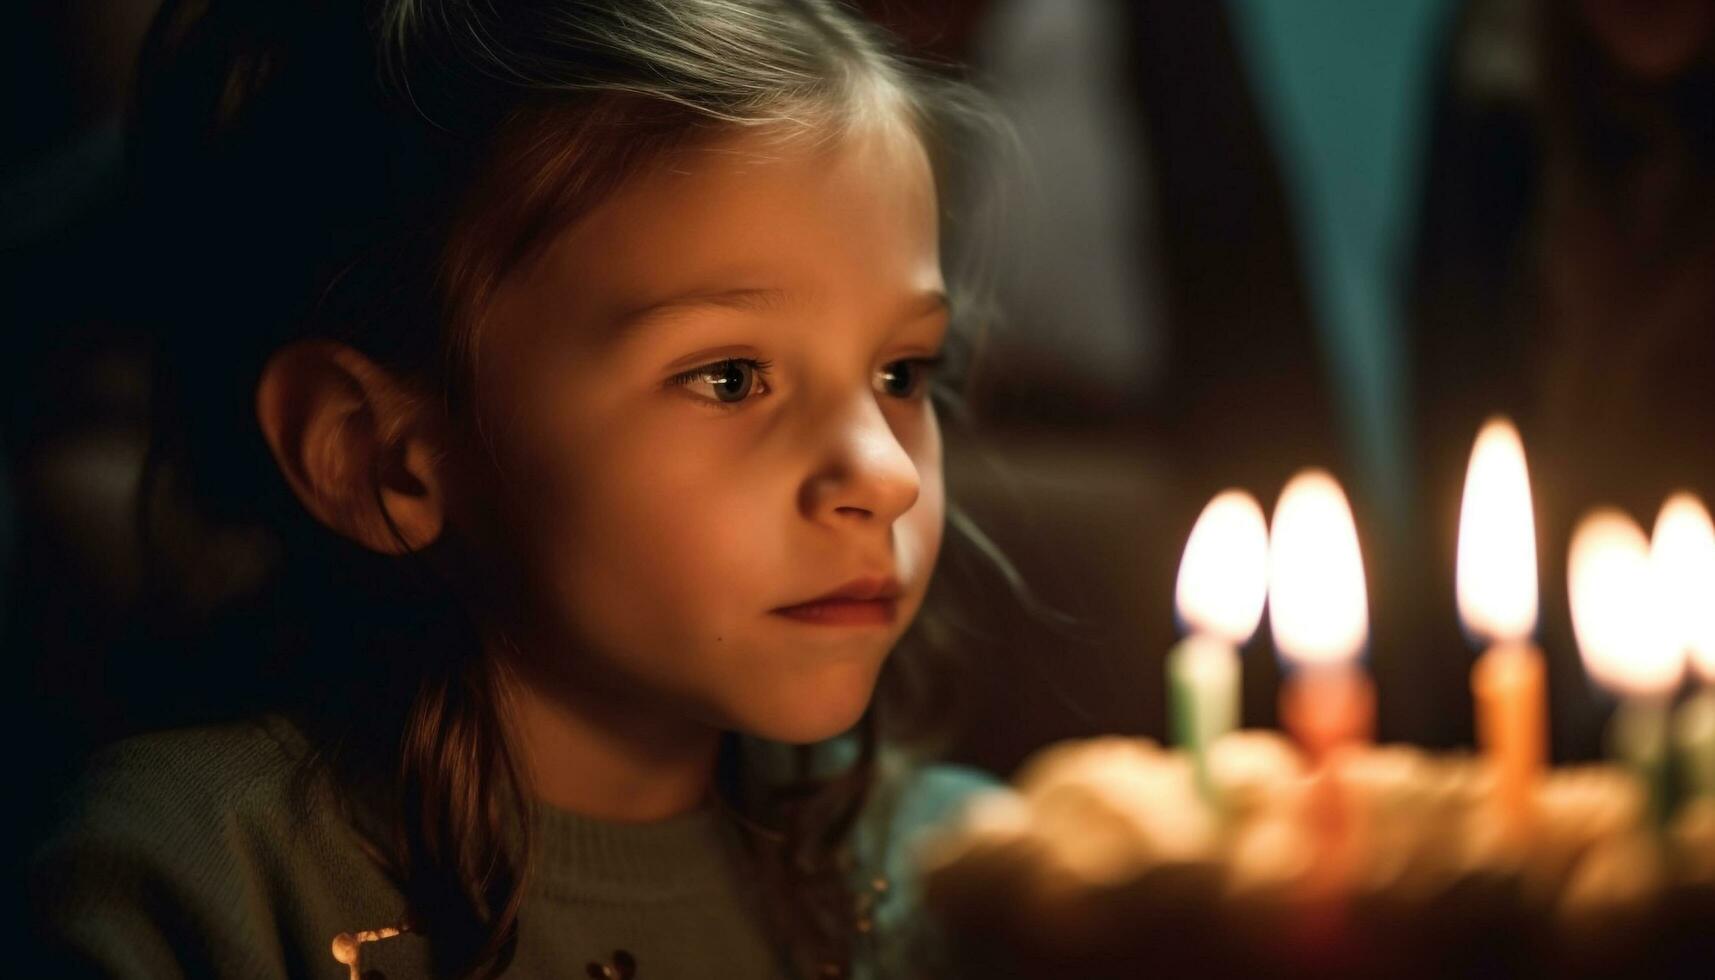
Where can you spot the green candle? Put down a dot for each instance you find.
(1223, 583)
(1626, 633)
(1682, 549)
(1203, 687)
(1694, 738)
(1637, 738)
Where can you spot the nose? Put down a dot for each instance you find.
(865, 476)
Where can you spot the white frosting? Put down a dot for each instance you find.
(1113, 811)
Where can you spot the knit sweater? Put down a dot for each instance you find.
(186, 854)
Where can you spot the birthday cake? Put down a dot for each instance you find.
(1110, 857)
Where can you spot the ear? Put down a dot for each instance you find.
(353, 445)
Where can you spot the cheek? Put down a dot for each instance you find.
(677, 534)
(923, 525)
(647, 534)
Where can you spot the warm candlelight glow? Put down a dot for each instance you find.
(1318, 607)
(1498, 603)
(1683, 550)
(1223, 578)
(1618, 610)
(1497, 539)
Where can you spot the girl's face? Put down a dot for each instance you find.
(706, 406)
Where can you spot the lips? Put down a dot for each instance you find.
(872, 601)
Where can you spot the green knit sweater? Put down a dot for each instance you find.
(184, 854)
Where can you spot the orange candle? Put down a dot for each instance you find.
(1318, 611)
(1325, 707)
(1497, 592)
(1319, 614)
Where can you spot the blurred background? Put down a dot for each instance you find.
(1246, 237)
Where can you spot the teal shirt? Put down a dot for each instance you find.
(187, 854)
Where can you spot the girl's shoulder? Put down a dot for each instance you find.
(200, 851)
(183, 775)
(205, 793)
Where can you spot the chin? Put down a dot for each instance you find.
(818, 708)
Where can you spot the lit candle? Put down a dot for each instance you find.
(1625, 635)
(1683, 550)
(1223, 582)
(1319, 615)
(1498, 604)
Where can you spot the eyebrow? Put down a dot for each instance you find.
(930, 302)
(918, 306)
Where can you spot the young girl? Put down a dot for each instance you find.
(545, 406)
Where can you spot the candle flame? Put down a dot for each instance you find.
(1497, 539)
(1683, 551)
(1223, 578)
(1618, 617)
(1318, 606)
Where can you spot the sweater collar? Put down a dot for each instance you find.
(578, 856)
(693, 854)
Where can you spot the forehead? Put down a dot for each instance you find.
(836, 219)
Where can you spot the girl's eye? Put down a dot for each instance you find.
(727, 382)
(905, 379)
